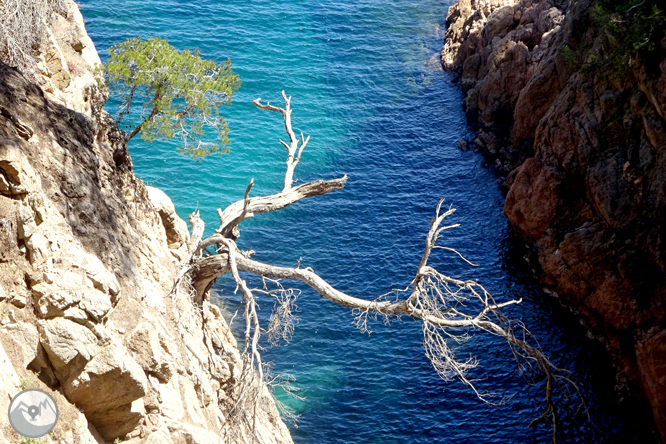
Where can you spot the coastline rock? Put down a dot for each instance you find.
(88, 257)
(582, 154)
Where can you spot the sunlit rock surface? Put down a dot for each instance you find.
(585, 169)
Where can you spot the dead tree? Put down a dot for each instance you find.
(449, 309)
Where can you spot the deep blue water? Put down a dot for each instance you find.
(359, 75)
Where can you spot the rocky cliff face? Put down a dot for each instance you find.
(583, 155)
(88, 256)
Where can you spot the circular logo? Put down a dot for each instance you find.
(33, 413)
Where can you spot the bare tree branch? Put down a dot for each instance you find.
(449, 309)
(240, 210)
(293, 146)
(230, 229)
(282, 321)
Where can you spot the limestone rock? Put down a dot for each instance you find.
(95, 303)
(51, 304)
(159, 437)
(10, 380)
(19, 300)
(71, 294)
(18, 174)
(102, 279)
(174, 227)
(89, 253)
(105, 389)
(22, 341)
(118, 421)
(68, 345)
(149, 348)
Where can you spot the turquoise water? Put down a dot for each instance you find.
(364, 89)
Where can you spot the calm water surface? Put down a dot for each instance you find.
(364, 89)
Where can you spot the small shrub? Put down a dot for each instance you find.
(630, 31)
(569, 56)
(25, 382)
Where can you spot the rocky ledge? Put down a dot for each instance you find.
(582, 154)
(88, 256)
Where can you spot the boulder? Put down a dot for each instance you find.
(499, 23)
(535, 198)
(102, 279)
(95, 303)
(53, 303)
(118, 421)
(109, 380)
(69, 346)
(175, 227)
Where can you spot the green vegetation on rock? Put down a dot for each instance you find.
(631, 30)
(569, 56)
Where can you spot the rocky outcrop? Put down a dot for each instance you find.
(88, 256)
(582, 152)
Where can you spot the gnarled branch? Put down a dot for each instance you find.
(293, 146)
(241, 210)
(448, 308)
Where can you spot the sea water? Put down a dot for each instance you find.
(367, 88)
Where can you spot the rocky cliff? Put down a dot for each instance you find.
(580, 141)
(88, 256)
(579, 134)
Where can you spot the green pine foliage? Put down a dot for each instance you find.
(632, 30)
(166, 93)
